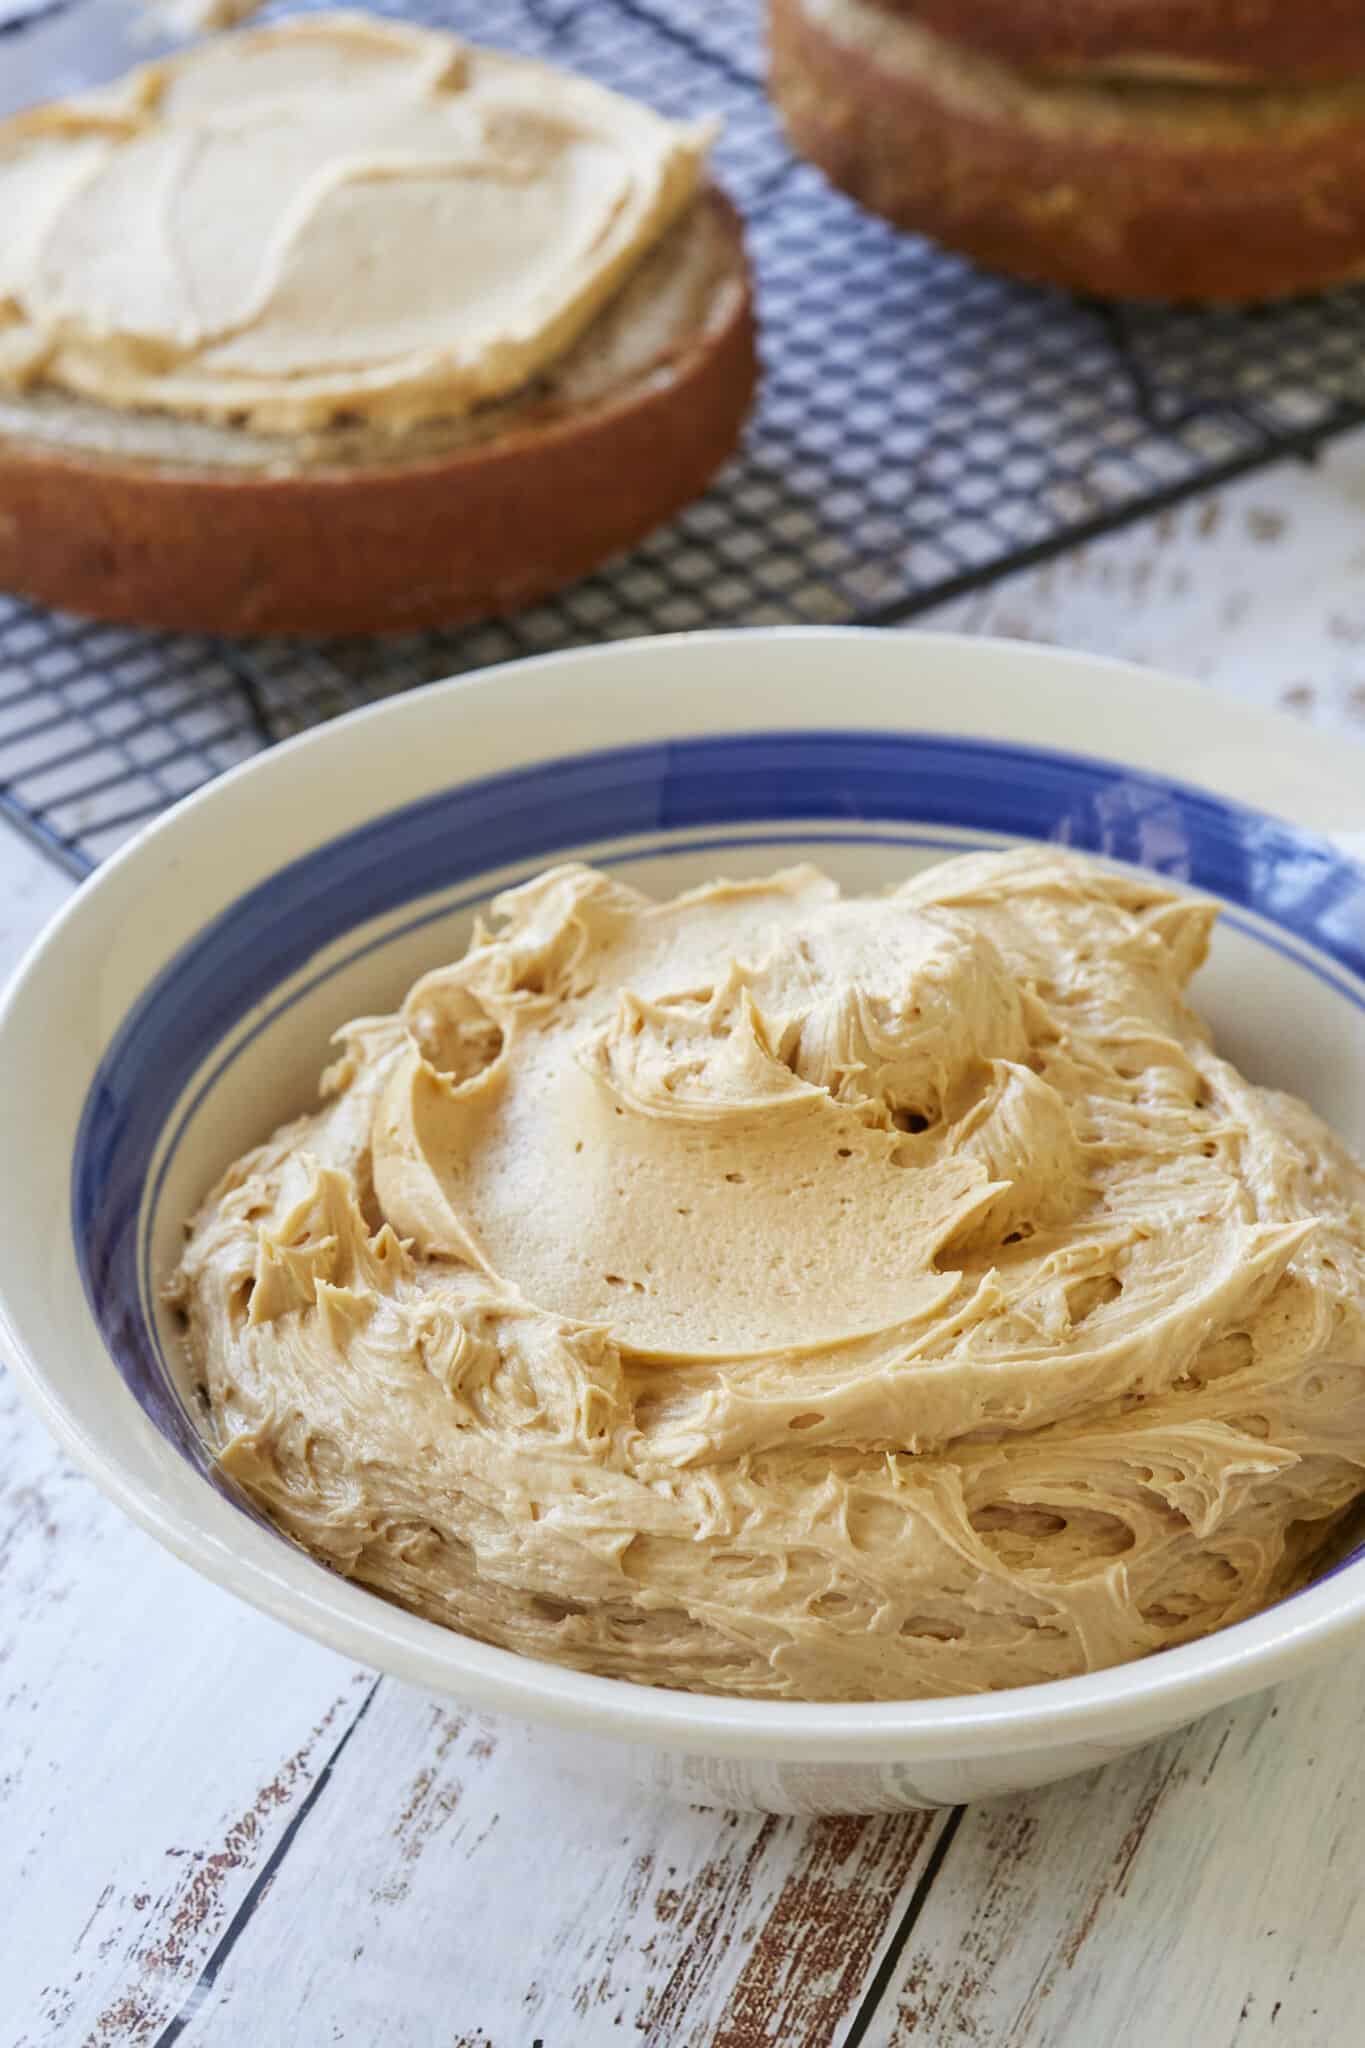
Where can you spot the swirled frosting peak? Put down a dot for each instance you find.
(776, 1292)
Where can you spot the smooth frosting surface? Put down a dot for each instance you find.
(776, 1293)
(336, 218)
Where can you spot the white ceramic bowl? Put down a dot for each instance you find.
(181, 1006)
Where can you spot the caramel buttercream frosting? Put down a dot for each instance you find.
(338, 218)
(778, 1293)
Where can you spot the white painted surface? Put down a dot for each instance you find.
(160, 1745)
(1206, 1890)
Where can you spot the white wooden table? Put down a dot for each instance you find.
(213, 1832)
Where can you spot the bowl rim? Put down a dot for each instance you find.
(1143, 1696)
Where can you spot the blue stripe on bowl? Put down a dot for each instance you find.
(663, 791)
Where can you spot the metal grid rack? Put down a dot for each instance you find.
(923, 428)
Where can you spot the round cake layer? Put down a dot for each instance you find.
(156, 521)
(1260, 41)
(1126, 190)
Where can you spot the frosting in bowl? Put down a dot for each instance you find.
(776, 1293)
(335, 218)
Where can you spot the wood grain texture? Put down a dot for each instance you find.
(476, 1894)
(1258, 591)
(1207, 1889)
(155, 1739)
(31, 889)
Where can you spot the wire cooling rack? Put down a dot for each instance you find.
(923, 428)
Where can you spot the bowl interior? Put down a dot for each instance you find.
(231, 1036)
(182, 1005)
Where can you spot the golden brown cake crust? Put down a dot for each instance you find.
(1231, 39)
(355, 546)
(1123, 191)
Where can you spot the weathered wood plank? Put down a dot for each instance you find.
(31, 891)
(155, 1739)
(1207, 1889)
(455, 1887)
(1259, 591)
